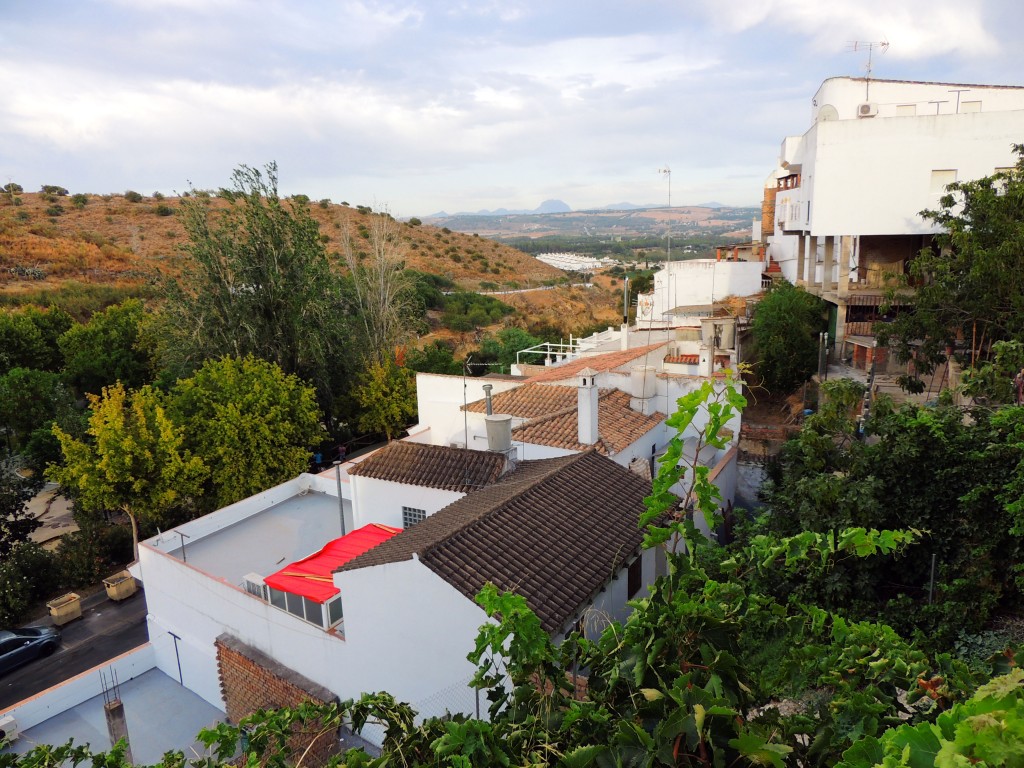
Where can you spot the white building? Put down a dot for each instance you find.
(845, 198)
(235, 596)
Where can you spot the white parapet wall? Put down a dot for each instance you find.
(80, 688)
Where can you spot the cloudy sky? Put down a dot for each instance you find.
(462, 105)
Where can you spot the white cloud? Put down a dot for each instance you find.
(914, 28)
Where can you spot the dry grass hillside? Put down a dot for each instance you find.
(47, 241)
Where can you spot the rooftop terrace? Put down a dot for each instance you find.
(257, 535)
(161, 714)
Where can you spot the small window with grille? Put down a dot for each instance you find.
(411, 516)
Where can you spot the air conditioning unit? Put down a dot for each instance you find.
(253, 584)
(9, 729)
(867, 109)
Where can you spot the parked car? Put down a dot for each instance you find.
(20, 646)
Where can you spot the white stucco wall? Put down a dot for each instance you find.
(885, 166)
(611, 603)
(698, 282)
(381, 501)
(412, 631)
(846, 94)
(439, 399)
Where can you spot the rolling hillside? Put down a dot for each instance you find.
(47, 240)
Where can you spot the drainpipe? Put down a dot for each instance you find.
(341, 501)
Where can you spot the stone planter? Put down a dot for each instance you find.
(65, 608)
(120, 586)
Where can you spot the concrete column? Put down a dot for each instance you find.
(801, 260)
(845, 256)
(813, 279)
(117, 726)
(829, 264)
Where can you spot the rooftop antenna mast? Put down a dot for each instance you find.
(668, 172)
(859, 45)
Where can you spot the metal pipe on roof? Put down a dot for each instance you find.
(487, 394)
(341, 501)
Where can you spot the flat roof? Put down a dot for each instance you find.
(263, 542)
(162, 715)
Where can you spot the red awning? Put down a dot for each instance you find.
(312, 576)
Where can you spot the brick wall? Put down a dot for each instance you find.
(251, 680)
(768, 212)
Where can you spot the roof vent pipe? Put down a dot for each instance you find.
(487, 394)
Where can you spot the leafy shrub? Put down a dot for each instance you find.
(55, 210)
(132, 196)
(79, 200)
(27, 575)
(157, 195)
(52, 189)
(17, 201)
(13, 189)
(325, 203)
(92, 553)
(163, 210)
(414, 222)
(300, 199)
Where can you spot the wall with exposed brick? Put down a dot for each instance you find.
(251, 680)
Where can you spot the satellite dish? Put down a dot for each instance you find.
(827, 113)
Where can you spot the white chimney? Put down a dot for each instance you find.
(586, 411)
(624, 337)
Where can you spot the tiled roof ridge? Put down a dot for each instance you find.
(573, 368)
(602, 392)
(480, 469)
(501, 500)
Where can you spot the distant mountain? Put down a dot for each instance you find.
(548, 206)
(553, 206)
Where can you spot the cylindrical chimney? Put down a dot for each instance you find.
(487, 394)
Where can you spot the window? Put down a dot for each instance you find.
(334, 612)
(277, 599)
(942, 179)
(634, 577)
(314, 611)
(411, 516)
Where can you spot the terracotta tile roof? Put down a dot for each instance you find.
(432, 466)
(551, 411)
(618, 425)
(606, 362)
(554, 531)
(529, 401)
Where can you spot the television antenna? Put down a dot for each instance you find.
(859, 45)
(666, 171)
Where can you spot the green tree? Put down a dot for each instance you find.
(967, 288)
(501, 348)
(928, 469)
(29, 399)
(16, 523)
(252, 425)
(786, 325)
(257, 282)
(133, 460)
(28, 338)
(435, 357)
(107, 349)
(387, 395)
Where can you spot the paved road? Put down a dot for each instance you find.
(106, 629)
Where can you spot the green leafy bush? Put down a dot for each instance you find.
(132, 196)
